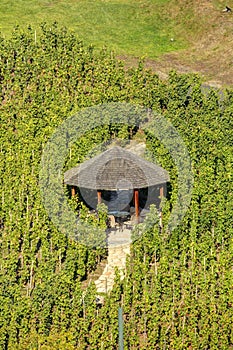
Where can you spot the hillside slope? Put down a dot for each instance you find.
(209, 31)
(186, 35)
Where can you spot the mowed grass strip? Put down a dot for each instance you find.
(137, 28)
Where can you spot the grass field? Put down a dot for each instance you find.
(134, 27)
(170, 34)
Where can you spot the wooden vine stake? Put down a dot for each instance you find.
(160, 209)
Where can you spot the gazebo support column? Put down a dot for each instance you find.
(160, 208)
(72, 191)
(99, 197)
(136, 204)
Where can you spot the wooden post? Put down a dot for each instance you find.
(72, 191)
(136, 203)
(99, 199)
(160, 208)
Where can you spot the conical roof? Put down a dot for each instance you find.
(115, 169)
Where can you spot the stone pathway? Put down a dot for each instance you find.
(118, 249)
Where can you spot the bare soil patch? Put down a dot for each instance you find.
(209, 32)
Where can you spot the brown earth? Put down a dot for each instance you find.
(209, 33)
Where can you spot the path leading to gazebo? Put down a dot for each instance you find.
(118, 242)
(118, 249)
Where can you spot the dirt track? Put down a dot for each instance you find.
(210, 38)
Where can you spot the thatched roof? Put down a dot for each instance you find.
(115, 169)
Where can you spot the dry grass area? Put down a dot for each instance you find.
(209, 32)
(186, 35)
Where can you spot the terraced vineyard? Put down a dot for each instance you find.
(177, 291)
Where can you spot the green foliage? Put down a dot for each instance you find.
(177, 292)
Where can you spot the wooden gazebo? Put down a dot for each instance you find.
(115, 169)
